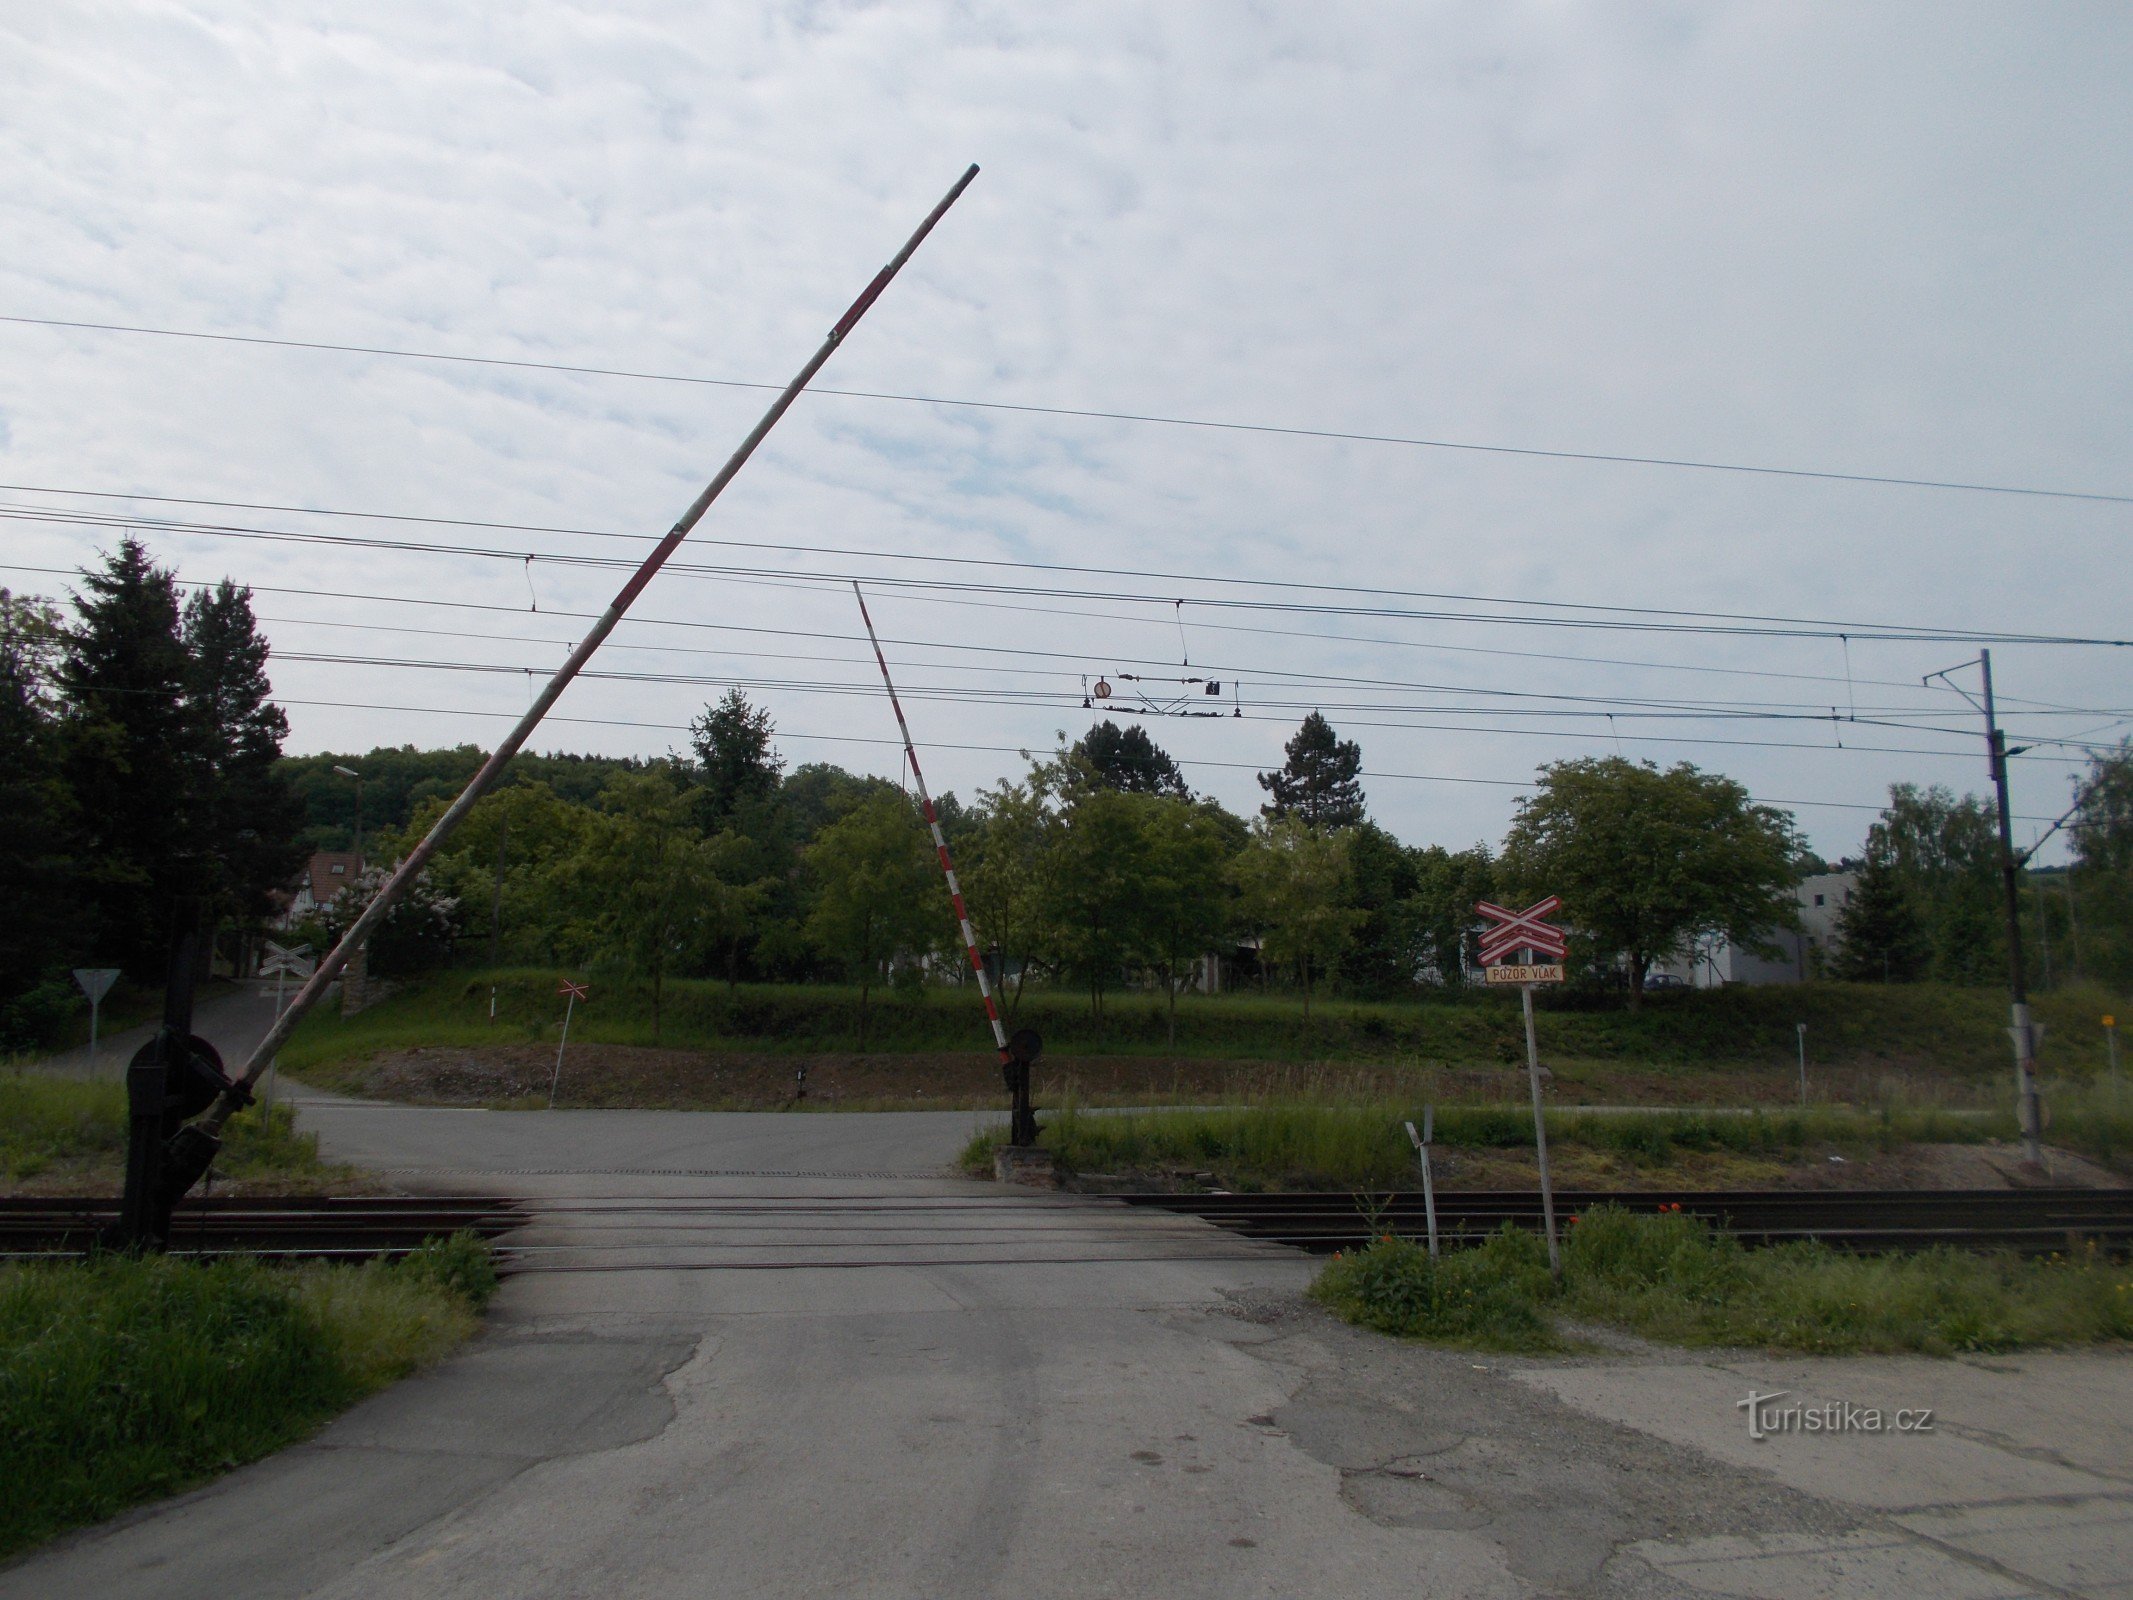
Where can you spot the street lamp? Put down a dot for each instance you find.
(350, 772)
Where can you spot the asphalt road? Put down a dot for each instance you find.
(783, 1355)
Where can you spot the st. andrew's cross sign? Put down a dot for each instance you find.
(1527, 930)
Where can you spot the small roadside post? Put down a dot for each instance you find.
(1421, 1142)
(2110, 1044)
(1801, 1029)
(572, 993)
(96, 982)
(1530, 933)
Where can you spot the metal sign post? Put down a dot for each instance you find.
(574, 993)
(1800, 1028)
(2110, 1044)
(1530, 933)
(1421, 1142)
(95, 982)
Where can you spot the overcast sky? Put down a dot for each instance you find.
(1889, 240)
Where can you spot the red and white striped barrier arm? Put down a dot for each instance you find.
(940, 843)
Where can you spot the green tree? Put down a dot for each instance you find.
(878, 893)
(416, 934)
(1646, 861)
(1946, 851)
(737, 771)
(1092, 889)
(512, 867)
(248, 817)
(2102, 867)
(1447, 885)
(1187, 847)
(1387, 953)
(1002, 873)
(1127, 760)
(1320, 782)
(1881, 936)
(39, 866)
(127, 739)
(1294, 885)
(659, 885)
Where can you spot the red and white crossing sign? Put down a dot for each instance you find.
(575, 991)
(1522, 930)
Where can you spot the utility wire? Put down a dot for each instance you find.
(1725, 625)
(1083, 657)
(1529, 452)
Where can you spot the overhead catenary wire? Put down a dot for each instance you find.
(1025, 650)
(1652, 619)
(1092, 414)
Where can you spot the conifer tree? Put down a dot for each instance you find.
(247, 814)
(1318, 784)
(126, 740)
(1881, 932)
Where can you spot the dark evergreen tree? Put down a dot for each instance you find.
(126, 739)
(737, 771)
(1881, 932)
(1319, 783)
(248, 817)
(1127, 760)
(42, 928)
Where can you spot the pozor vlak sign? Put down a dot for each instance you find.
(1529, 931)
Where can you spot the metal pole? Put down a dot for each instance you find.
(335, 959)
(1540, 1129)
(2110, 1044)
(1801, 1027)
(92, 1038)
(1429, 1188)
(556, 1077)
(2029, 1110)
(1022, 1128)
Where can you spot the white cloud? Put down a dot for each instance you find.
(1887, 241)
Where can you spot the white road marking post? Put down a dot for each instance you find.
(1421, 1143)
(574, 993)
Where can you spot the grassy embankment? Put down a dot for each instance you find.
(64, 1136)
(1678, 1046)
(1671, 1278)
(126, 1379)
(1358, 1147)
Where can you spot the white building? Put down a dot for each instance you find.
(1803, 952)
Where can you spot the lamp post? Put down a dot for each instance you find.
(350, 772)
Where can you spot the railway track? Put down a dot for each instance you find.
(2031, 1221)
(732, 1232)
(335, 1228)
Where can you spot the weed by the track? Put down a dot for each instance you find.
(1672, 1278)
(124, 1379)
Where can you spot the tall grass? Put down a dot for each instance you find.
(1310, 1146)
(79, 1128)
(1947, 1030)
(128, 1378)
(1673, 1278)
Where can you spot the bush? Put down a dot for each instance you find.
(1488, 1297)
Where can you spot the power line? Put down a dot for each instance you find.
(1062, 700)
(1528, 452)
(1727, 624)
